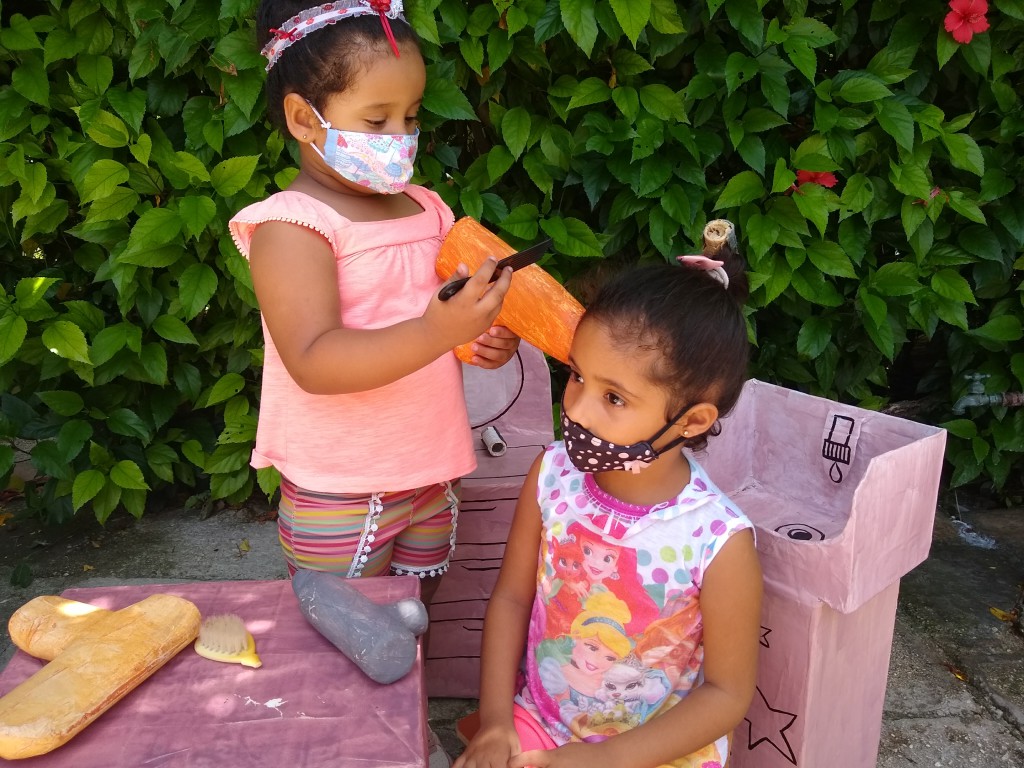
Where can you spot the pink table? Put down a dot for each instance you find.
(307, 705)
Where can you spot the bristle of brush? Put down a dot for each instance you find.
(223, 634)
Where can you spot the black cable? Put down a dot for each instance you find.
(522, 383)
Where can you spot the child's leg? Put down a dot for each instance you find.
(531, 734)
(425, 547)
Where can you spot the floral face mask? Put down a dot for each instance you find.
(379, 162)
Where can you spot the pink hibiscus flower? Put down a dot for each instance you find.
(966, 18)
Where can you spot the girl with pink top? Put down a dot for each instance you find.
(362, 408)
(624, 626)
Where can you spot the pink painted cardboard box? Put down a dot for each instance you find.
(307, 706)
(516, 399)
(843, 500)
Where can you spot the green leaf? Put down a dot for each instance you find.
(962, 428)
(815, 334)
(966, 207)
(897, 121)
(128, 476)
(515, 130)
(572, 237)
(106, 501)
(897, 278)
(29, 79)
(62, 402)
(227, 386)
(762, 233)
(114, 207)
(632, 16)
(107, 130)
(628, 101)
(580, 20)
(102, 178)
(30, 290)
(952, 285)
(862, 88)
(627, 63)
(830, 258)
(810, 200)
(196, 211)
(123, 421)
(783, 178)
(196, 287)
(66, 340)
(130, 105)
(1000, 329)
(662, 102)
(857, 194)
(964, 152)
(95, 71)
(593, 90)
(86, 487)
(172, 329)
(522, 222)
(156, 227)
(739, 70)
(230, 176)
(444, 98)
(13, 329)
(744, 187)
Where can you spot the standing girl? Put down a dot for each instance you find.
(362, 408)
(660, 355)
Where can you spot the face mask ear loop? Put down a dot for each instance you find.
(672, 444)
(325, 124)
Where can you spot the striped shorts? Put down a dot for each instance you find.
(406, 532)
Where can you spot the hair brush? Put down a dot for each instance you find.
(225, 638)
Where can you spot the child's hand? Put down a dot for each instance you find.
(490, 748)
(494, 348)
(470, 312)
(572, 755)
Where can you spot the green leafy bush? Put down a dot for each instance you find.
(131, 130)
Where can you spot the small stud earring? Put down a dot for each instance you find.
(686, 433)
(303, 137)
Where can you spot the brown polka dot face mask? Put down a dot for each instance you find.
(589, 453)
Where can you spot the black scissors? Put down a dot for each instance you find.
(516, 261)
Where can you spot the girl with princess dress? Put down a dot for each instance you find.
(624, 626)
(362, 408)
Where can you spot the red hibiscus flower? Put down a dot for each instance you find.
(824, 178)
(966, 18)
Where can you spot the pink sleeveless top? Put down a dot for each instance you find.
(404, 435)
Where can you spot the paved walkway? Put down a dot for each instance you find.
(955, 697)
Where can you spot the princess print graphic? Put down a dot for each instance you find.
(615, 634)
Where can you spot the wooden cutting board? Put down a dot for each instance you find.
(95, 657)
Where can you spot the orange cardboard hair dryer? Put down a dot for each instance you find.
(536, 308)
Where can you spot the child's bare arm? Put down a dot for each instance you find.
(730, 602)
(295, 279)
(505, 626)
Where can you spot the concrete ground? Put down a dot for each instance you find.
(955, 694)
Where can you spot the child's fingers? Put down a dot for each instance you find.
(478, 281)
(536, 758)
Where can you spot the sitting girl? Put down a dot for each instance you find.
(660, 355)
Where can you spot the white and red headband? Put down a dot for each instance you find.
(320, 16)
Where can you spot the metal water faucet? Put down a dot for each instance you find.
(976, 395)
